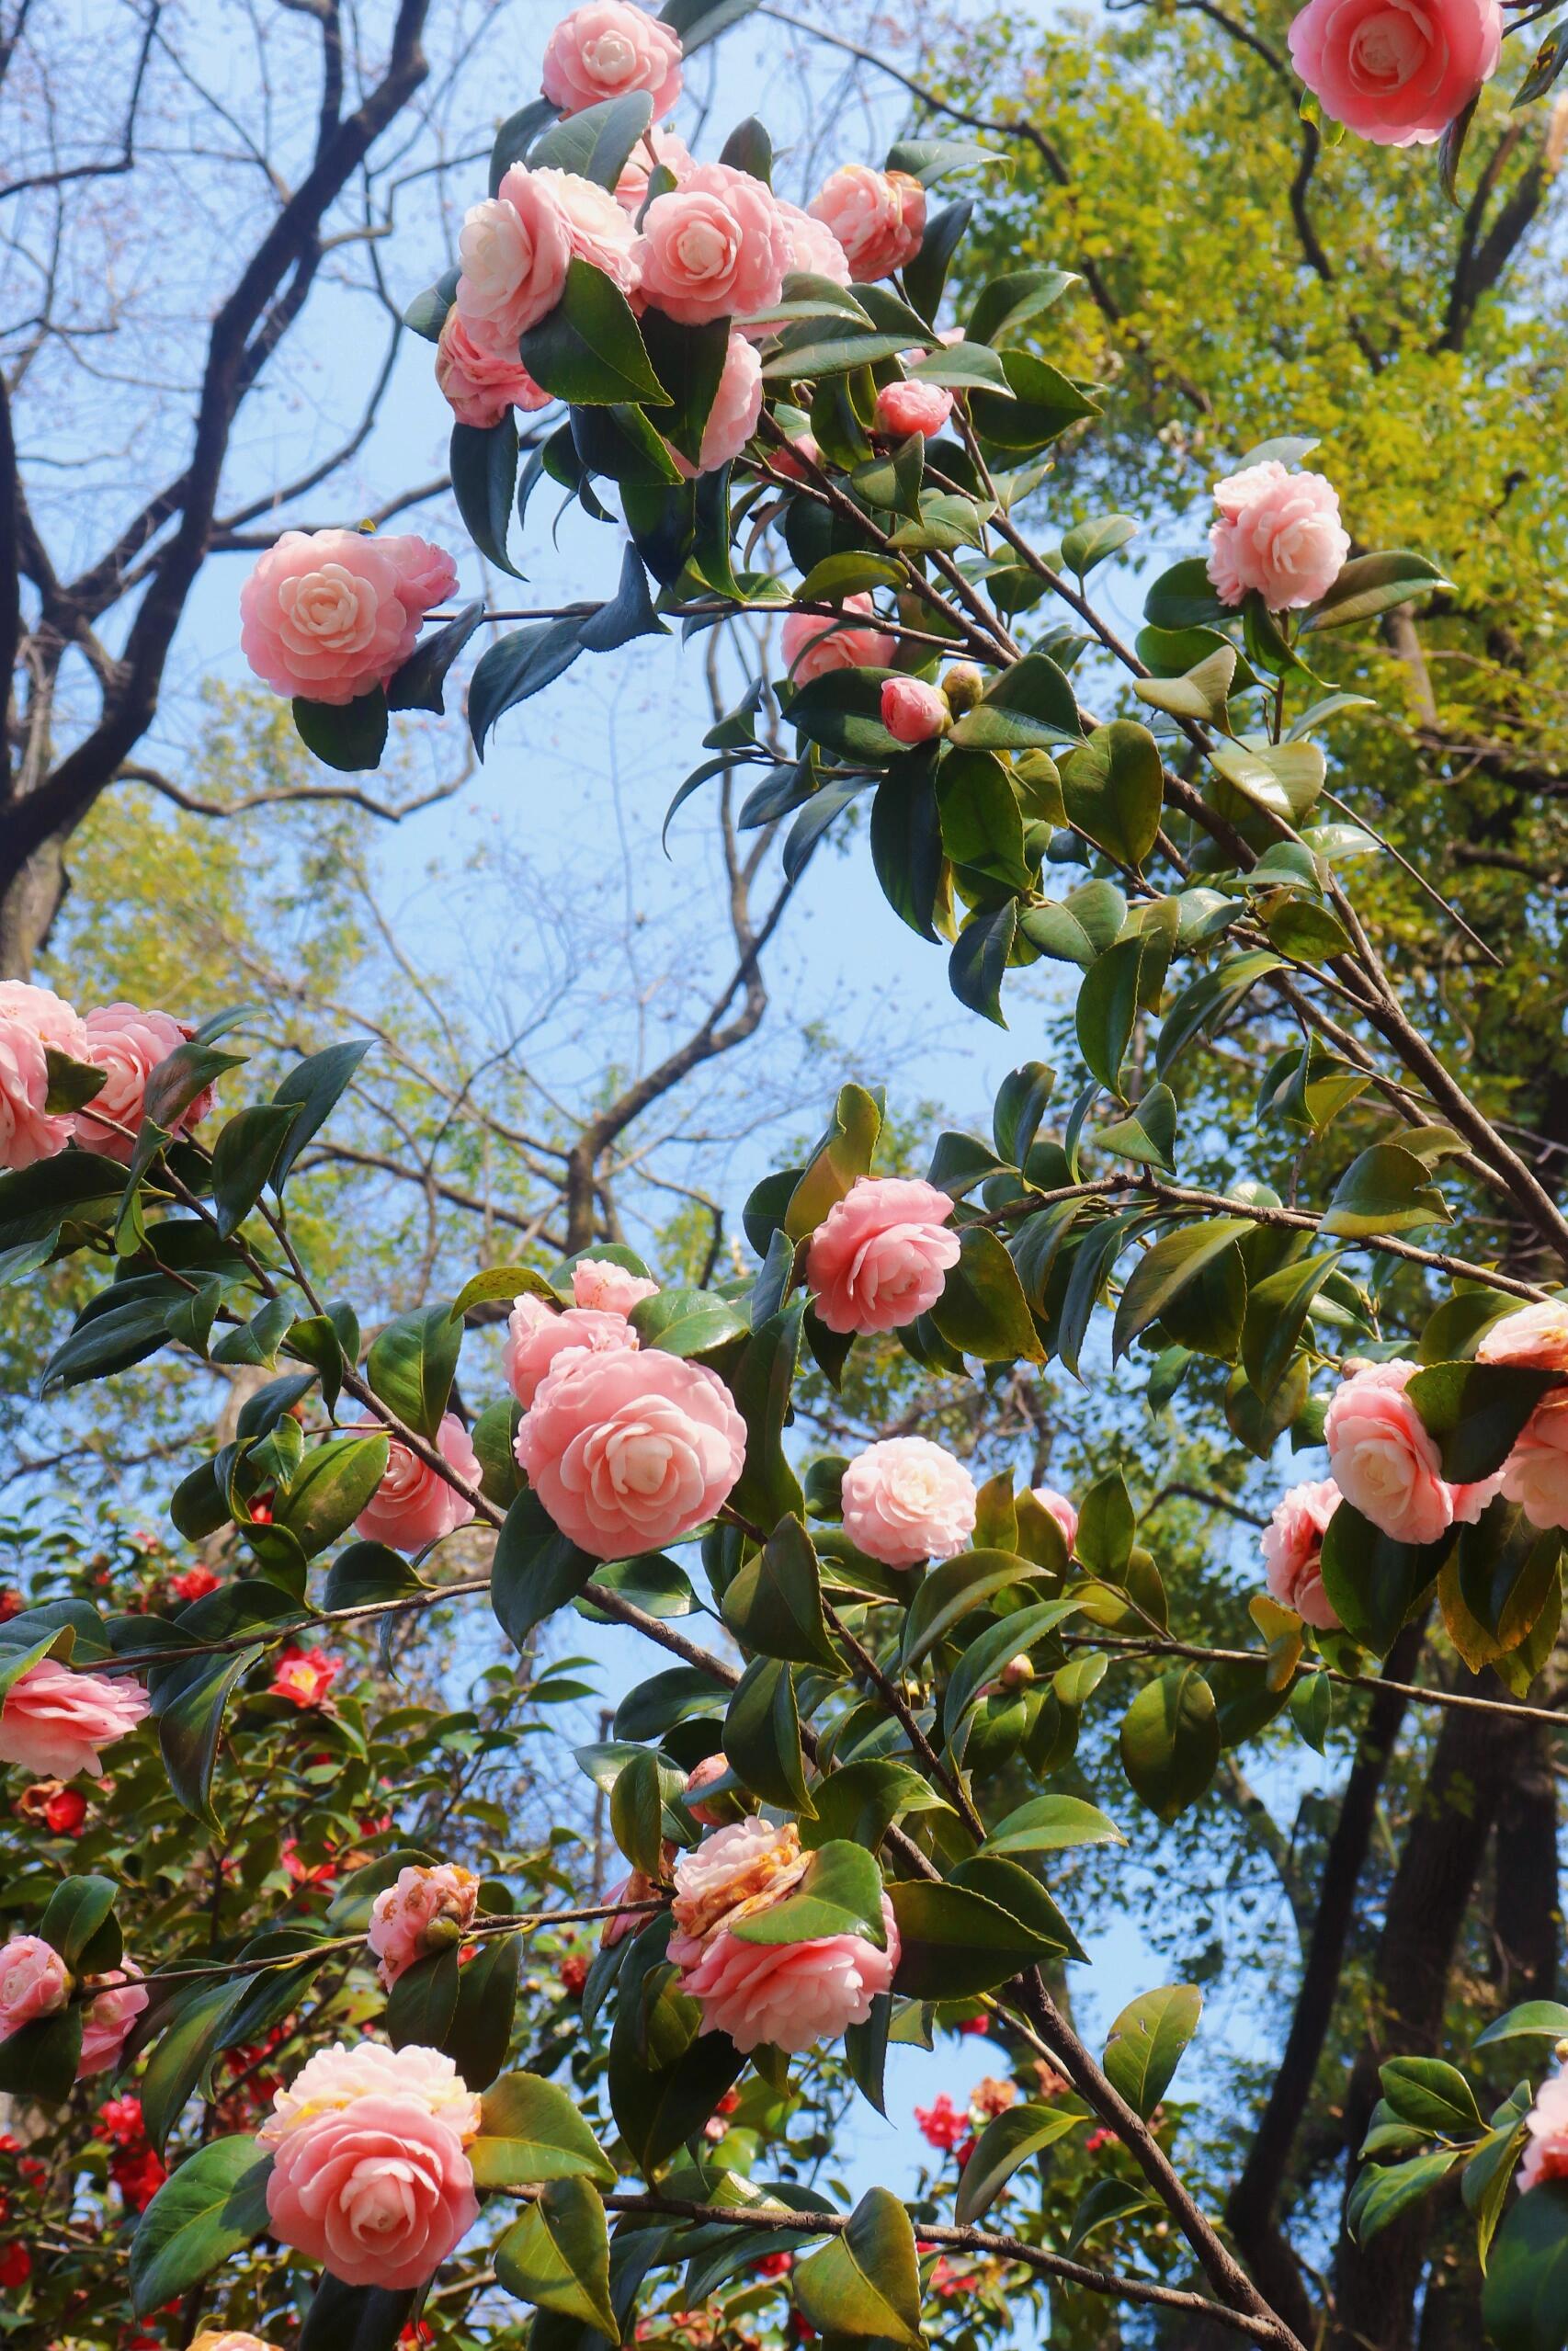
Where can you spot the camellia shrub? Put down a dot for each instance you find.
(391, 2090)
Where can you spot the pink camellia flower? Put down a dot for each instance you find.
(513, 251)
(670, 150)
(127, 1044)
(597, 230)
(323, 615)
(814, 249)
(813, 644)
(878, 218)
(1546, 2157)
(631, 1449)
(911, 406)
(1382, 1459)
(703, 1775)
(880, 1256)
(792, 461)
(426, 575)
(1396, 71)
(737, 405)
(479, 385)
(606, 49)
(791, 1995)
(1535, 1474)
(118, 1999)
(370, 2174)
(414, 1504)
(53, 1721)
(336, 2079)
(634, 1890)
(905, 1499)
(609, 1289)
(1536, 1339)
(34, 1982)
(1292, 1552)
(914, 710)
(424, 1911)
(1061, 1510)
(1276, 532)
(32, 1019)
(229, 2339)
(538, 1339)
(716, 246)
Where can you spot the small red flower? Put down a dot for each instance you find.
(573, 1974)
(941, 2125)
(9, 2143)
(975, 2025)
(305, 1676)
(138, 2175)
(16, 2264)
(194, 1584)
(963, 2150)
(1098, 2139)
(65, 1812)
(774, 2264)
(11, 1604)
(121, 2119)
(307, 1873)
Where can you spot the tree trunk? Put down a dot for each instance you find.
(28, 907)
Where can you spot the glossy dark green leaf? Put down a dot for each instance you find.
(1167, 1268)
(557, 2255)
(1146, 2043)
(981, 1310)
(535, 1570)
(953, 1590)
(1476, 1412)
(761, 1382)
(841, 1893)
(517, 666)
(1170, 1741)
(1003, 2146)
(979, 961)
(411, 1363)
(1372, 1582)
(589, 350)
(597, 142)
(350, 737)
(213, 2205)
(483, 463)
(317, 1083)
(532, 2130)
(1113, 787)
(774, 1603)
(866, 2282)
(956, 1943)
(762, 1736)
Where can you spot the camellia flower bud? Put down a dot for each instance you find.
(915, 711)
(963, 687)
(1018, 1673)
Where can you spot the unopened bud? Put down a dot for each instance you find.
(963, 687)
(1018, 1673)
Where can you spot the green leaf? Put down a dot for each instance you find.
(861, 1800)
(1022, 1099)
(39, 2060)
(597, 143)
(532, 2130)
(774, 1603)
(1052, 1823)
(419, 683)
(926, 274)
(350, 737)
(1549, 61)
(483, 465)
(1029, 705)
(1432, 2096)
(982, 826)
(1170, 1741)
(214, 2204)
(1043, 404)
(1126, 977)
(1373, 1582)
(355, 2318)
(423, 2002)
(1384, 1190)
(412, 1364)
(841, 1893)
(335, 1485)
(368, 1573)
(1009, 301)
(557, 2256)
(1113, 787)
(665, 2078)
(1525, 2304)
(637, 1813)
(1542, 2020)
(980, 957)
(1489, 2172)
(74, 1914)
(318, 1083)
(956, 1943)
(1148, 1133)
(1277, 1311)
(516, 667)
(1496, 1583)
(1312, 1708)
(1200, 692)
(840, 1159)
(1013, 1636)
(190, 1723)
(981, 1310)
(480, 2034)
(1006, 2143)
(1164, 1271)
(71, 1084)
(1088, 543)
(1184, 598)
(762, 1736)
(1368, 585)
(761, 1384)
(952, 1590)
(1383, 2191)
(867, 2281)
(687, 1322)
(1146, 2044)
(535, 1570)
(1476, 1412)
(185, 2047)
(589, 350)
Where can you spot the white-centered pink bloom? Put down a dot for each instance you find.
(597, 228)
(423, 1910)
(54, 1722)
(914, 710)
(513, 250)
(31, 1021)
(1396, 71)
(1277, 532)
(717, 246)
(478, 385)
(1546, 2155)
(380, 2192)
(813, 642)
(117, 1999)
(815, 251)
(34, 1982)
(1060, 1508)
(609, 1289)
(1292, 1552)
(607, 50)
(127, 1044)
(905, 1499)
(538, 1339)
(912, 406)
(414, 1504)
(791, 1995)
(878, 218)
(329, 614)
(1382, 1459)
(631, 1449)
(737, 405)
(880, 1256)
